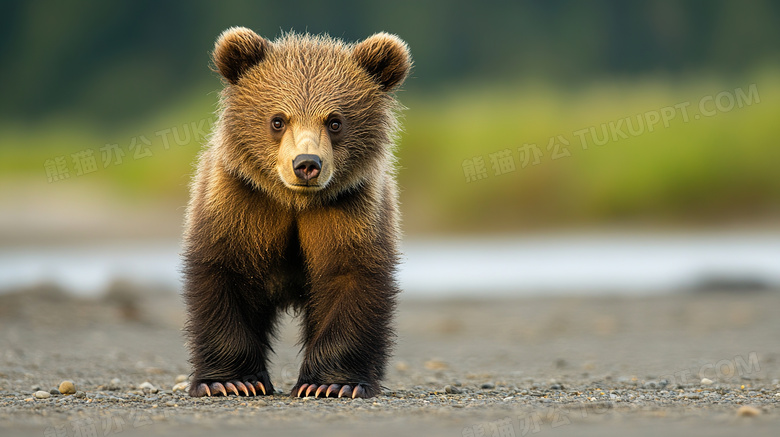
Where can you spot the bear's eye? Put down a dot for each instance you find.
(334, 125)
(277, 123)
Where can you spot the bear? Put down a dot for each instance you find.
(294, 207)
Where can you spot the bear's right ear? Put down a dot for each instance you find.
(236, 50)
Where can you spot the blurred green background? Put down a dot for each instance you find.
(118, 96)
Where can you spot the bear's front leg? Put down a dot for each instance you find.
(228, 333)
(347, 335)
(348, 313)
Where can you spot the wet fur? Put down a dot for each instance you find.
(253, 247)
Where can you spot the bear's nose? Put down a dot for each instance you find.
(307, 166)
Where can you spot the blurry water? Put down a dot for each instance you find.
(591, 264)
(88, 270)
(560, 265)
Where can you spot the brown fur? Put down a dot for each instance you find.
(259, 240)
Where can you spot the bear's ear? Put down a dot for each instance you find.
(236, 50)
(385, 57)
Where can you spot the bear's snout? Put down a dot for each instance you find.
(307, 166)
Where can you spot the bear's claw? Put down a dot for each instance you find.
(239, 388)
(332, 390)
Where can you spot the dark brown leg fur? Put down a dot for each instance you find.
(346, 340)
(229, 335)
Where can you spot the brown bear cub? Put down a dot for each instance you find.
(294, 205)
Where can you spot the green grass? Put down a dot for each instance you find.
(709, 170)
(704, 171)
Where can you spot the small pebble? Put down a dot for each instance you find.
(54, 391)
(655, 384)
(40, 394)
(181, 378)
(748, 411)
(181, 386)
(147, 386)
(80, 395)
(170, 404)
(706, 381)
(114, 384)
(451, 389)
(488, 385)
(67, 387)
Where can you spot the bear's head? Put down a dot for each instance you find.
(308, 117)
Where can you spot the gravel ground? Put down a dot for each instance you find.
(698, 363)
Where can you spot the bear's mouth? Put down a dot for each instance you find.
(304, 188)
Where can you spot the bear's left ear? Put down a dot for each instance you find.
(236, 50)
(385, 57)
